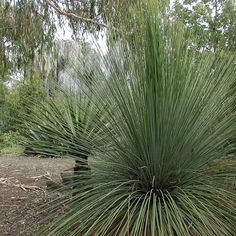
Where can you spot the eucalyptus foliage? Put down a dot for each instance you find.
(157, 145)
(213, 22)
(28, 28)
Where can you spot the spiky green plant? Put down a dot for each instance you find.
(60, 127)
(158, 160)
(55, 128)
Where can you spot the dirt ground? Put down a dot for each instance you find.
(23, 189)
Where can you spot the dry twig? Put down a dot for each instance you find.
(8, 182)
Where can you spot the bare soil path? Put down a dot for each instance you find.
(23, 189)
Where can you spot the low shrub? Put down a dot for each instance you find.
(10, 143)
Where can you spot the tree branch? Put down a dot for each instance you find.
(72, 15)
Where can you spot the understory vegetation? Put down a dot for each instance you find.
(16, 102)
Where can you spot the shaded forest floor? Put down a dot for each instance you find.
(23, 189)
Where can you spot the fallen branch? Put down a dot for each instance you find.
(18, 198)
(45, 176)
(9, 183)
(29, 187)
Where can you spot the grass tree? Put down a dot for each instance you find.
(59, 127)
(158, 150)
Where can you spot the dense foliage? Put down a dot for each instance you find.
(212, 22)
(28, 28)
(15, 103)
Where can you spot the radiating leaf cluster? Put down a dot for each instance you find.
(157, 141)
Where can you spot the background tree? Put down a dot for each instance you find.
(26, 28)
(213, 22)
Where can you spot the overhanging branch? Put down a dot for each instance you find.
(72, 15)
